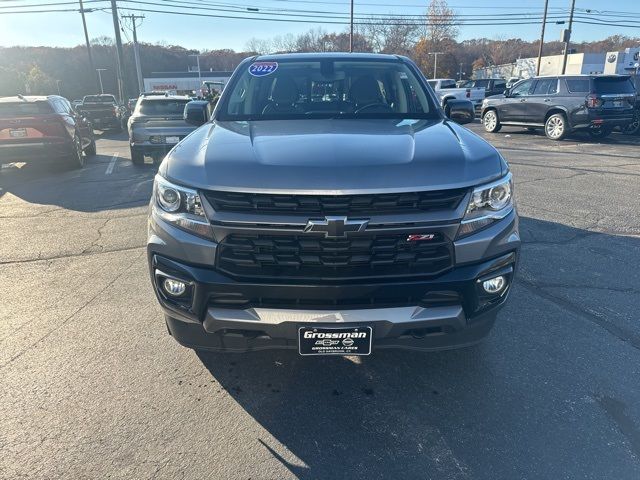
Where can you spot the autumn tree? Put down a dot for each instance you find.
(440, 34)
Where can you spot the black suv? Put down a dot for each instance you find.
(563, 104)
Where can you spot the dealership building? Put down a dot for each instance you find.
(619, 62)
(182, 83)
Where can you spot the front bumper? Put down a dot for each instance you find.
(220, 313)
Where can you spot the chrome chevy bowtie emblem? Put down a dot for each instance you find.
(336, 227)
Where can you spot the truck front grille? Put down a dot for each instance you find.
(373, 204)
(319, 258)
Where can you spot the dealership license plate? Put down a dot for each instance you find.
(335, 341)
(173, 139)
(18, 132)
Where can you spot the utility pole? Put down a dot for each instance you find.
(544, 23)
(136, 50)
(120, 57)
(86, 37)
(567, 40)
(460, 72)
(435, 62)
(351, 30)
(100, 70)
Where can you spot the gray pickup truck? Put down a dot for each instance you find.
(331, 207)
(157, 124)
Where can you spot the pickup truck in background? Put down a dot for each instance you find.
(492, 86)
(445, 89)
(102, 111)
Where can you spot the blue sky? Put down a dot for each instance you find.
(65, 29)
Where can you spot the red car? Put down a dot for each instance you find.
(42, 129)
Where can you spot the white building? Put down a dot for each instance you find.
(622, 62)
(182, 83)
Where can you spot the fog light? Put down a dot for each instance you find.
(175, 288)
(494, 285)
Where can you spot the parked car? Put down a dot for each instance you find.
(103, 111)
(157, 125)
(564, 104)
(446, 90)
(492, 86)
(44, 128)
(333, 224)
(634, 127)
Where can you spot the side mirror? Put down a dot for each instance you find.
(506, 92)
(195, 113)
(460, 111)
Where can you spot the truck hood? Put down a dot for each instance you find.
(332, 156)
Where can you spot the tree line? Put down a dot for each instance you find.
(51, 70)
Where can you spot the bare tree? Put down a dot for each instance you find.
(257, 45)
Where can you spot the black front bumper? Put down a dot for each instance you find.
(220, 313)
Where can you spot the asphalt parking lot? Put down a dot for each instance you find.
(92, 386)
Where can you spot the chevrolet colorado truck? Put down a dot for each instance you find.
(329, 206)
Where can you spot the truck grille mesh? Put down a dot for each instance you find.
(374, 204)
(319, 258)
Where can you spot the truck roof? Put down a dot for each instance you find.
(334, 55)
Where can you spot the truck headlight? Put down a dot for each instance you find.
(488, 204)
(181, 207)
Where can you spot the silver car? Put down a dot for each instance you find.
(157, 125)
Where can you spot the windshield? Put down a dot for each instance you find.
(162, 107)
(24, 109)
(326, 88)
(99, 99)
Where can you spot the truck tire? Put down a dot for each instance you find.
(137, 157)
(491, 122)
(634, 127)
(556, 127)
(601, 132)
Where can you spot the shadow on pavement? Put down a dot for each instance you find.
(88, 189)
(490, 411)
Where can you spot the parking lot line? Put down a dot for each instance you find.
(111, 165)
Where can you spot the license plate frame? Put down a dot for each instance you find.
(172, 139)
(322, 341)
(18, 132)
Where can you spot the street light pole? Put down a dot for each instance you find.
(568, 39)
(435, 62)
(100, 70)
(544, 23)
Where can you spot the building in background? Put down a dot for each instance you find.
(622, 62)
(182, 83)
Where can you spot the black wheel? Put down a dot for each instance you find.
(634, 127)
(601, 132)
(556, 127)
(76, 159)
(491, 122)
(90, 150)
(137, 157)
